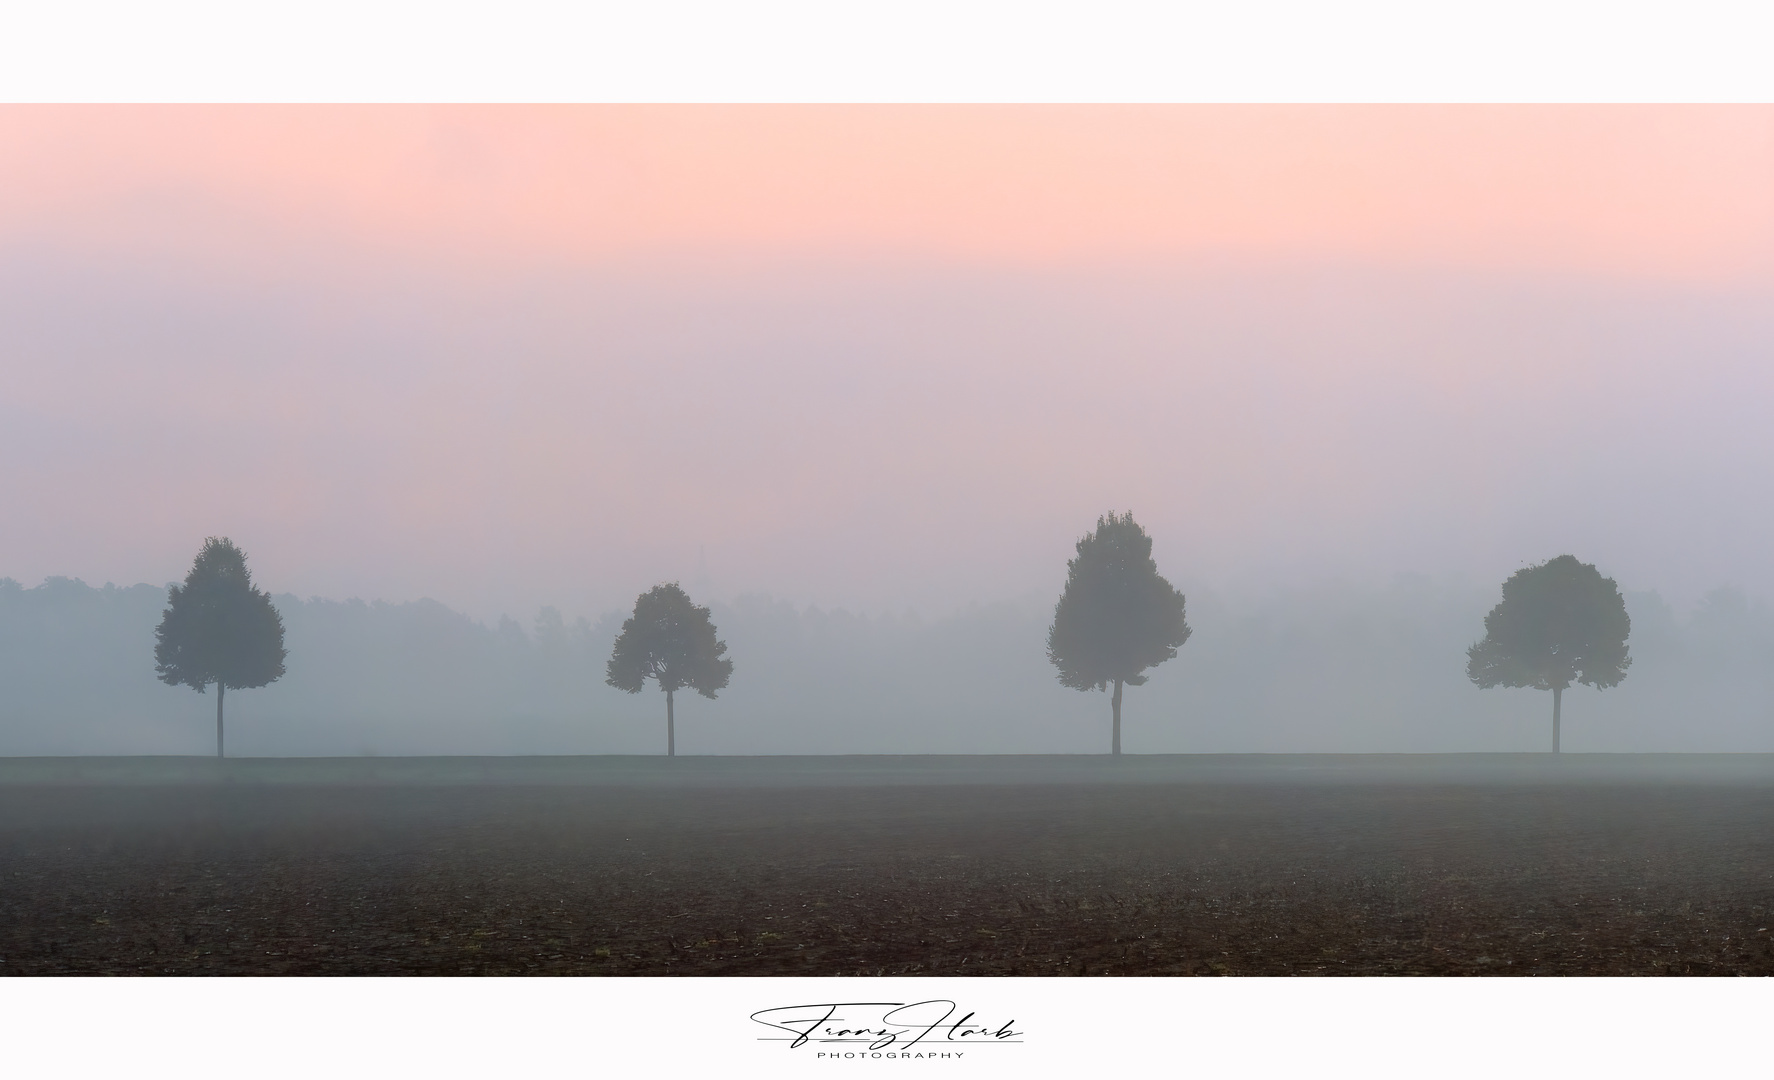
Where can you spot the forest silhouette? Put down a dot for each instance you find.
(1334, 669)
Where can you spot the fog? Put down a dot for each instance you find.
(880, 440)
(876, 476)
(859, 379)
(1334, 669)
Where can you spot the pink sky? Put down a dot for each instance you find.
(1666, 192)
(881, 357)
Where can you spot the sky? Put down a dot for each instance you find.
(883, 357)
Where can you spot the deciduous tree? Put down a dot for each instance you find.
(219, 629)
(1117, 616)
(670, 640)
(1559, 622)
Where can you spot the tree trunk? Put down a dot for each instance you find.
(671, 732)
(1557, 693)
(220, 689)
(1116, 700)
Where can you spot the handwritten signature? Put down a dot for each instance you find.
(881, 1024)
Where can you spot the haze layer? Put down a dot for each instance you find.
(882, 357)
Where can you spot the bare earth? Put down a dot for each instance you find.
(1179, 866)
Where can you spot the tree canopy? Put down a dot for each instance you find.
(1117, 616)
(672, 641)
(218, 628)
(1559, 622)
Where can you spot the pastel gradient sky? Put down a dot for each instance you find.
(882, 357)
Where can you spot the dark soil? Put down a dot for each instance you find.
(1065, 879)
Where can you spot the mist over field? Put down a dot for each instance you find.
(423, 431)
(1349, 367)
(1337, 670)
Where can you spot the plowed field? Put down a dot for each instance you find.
(1077, 877)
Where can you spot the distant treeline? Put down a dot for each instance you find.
(1336, 669)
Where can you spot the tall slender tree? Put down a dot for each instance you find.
(1117, 616)
(219, 629)
(672, 641)
(1559, 622)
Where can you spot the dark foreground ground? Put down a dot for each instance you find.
(866, 866)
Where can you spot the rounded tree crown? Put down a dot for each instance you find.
(670, 640)
(1117, 615)
(1559, 622)
(217, 628)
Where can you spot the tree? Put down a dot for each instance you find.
(1117, 616)
(671, 641)
(218, 629)
(1559, 622)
